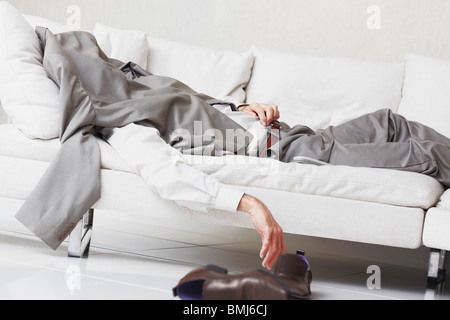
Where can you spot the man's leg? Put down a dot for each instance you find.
(379, 140)
(426, 157)
(382, 126)
(377, 127)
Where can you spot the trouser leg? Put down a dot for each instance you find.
(426, 157)
(379, 140)
(377, 127)
(382, 126)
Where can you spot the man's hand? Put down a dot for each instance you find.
(266, 113)
(273, 245)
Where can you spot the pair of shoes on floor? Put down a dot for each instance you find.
(291, 280)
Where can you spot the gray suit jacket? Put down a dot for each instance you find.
(96, 93)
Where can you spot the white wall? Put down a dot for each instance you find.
(373, 29)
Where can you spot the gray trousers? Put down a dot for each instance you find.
(379, 140)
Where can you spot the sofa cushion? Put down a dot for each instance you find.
(28, 96)
(123, 192)
(53, 26)
(219, 74)
(435, 231)
(426, 93)
(319, 92)
(14, 143)
(382, 186)
(123, 45)
(444, 202)
(363, 184)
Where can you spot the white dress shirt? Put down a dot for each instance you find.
(165, 171)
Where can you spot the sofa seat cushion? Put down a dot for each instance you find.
(309, 215)
(14, 143)
(383, 186)
(363, 184)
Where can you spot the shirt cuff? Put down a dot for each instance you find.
(228, 198)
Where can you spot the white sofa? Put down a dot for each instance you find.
(375, 206)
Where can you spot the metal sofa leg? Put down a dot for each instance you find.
(80, 238)
(436, 274)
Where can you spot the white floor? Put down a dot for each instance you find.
(146, 262)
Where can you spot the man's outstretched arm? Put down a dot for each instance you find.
(273, 245)
(163, 169)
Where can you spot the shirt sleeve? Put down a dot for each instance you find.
(164, 170)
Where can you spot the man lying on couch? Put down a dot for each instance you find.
(151, 121)
(380, 140)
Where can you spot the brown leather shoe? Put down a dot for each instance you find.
(253, 285)
(291, 281)
(190, 287)
(209, 283)
(294, 270)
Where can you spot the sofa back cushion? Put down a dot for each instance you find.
(28, 96)
(123, 45)
(53, 26)
(219, 74)
(426, 93)
(319, 92)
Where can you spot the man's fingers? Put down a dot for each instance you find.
(266, 113)
(250, 112)
(276, 114)
(264, 249)
(261, 112)
(269, 115)
(270, 259)
(266, 237)
(273, 247)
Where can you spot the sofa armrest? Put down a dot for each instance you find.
(437, 225)
(435, 232)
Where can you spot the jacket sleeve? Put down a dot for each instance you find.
(164, 170)
(234, 104)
